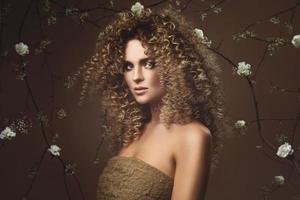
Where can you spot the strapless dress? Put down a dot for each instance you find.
(130, 178)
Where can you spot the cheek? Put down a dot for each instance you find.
(155, 80)
(127, 80)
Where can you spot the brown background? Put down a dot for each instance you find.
(243, 168)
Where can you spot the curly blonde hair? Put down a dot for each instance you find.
(188, 72)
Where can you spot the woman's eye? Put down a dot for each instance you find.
(127, 67)
(149, 64)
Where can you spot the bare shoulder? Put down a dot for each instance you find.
(197, 127)
(191, 131)
(192, 136)
(192, 154)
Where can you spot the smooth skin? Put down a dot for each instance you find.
(181, 152)
(140, 70)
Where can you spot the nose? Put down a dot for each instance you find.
(138, 74)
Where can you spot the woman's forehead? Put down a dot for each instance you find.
(134, 49)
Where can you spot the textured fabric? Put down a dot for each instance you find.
(129, 178)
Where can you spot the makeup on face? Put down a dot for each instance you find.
(147, 62)
(141, 73)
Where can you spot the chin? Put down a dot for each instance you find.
(145, 100)
(142, 101)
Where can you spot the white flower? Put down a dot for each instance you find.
(284, 150)
(61, 113)
(54, 149)
(275, 20)
(296, 41)
(279, 180)
(51, 20)
(7, 133)
(71, 11)
(21, 48)
(137, 8)
(217, 10)
(199, 33)
(243, 69)
(240, 124)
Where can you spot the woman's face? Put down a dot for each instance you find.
(141, 74)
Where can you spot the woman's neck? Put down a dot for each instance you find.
(155, 113)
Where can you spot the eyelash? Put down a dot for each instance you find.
(145, 64)
(125, 67)
(151, 63)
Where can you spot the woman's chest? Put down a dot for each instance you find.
(156, 148)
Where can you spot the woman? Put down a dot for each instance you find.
(163, 104)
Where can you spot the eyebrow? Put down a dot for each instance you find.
(143, 60)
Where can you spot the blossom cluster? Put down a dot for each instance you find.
(279, 180)
(275, 20)
(296, 41)
(275, 43)
(22, 48)
(240, 124)
(43, 45)
(71, 11)
(284, 150)
(243, 35)
(137, 8)
(21, 125)
(61, 113)
(199, 33)
(7, 133)
(51, 20)
(54, 150)
(243, 69)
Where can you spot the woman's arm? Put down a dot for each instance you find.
(192, 155)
